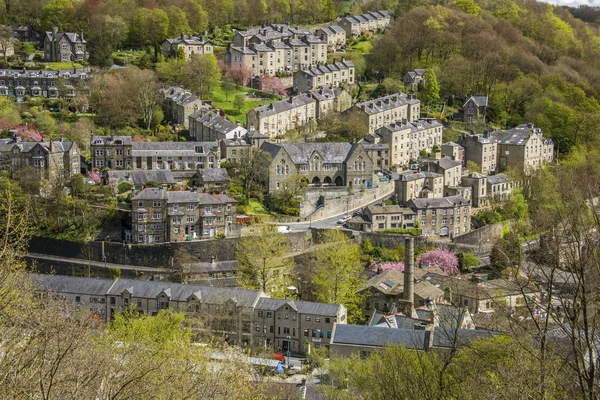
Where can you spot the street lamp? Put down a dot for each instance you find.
(288, 351)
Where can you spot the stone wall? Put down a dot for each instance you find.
(338, 202)
(156, 255)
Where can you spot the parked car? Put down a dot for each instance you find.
(343, 220)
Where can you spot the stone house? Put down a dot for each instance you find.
(388, 109)
(388, 217)
(450, 169)
(523, 147)
(27, 34)
(445, 217)
(330, 100)
(41, 83)
(54, 162)
(379, 153)
(479, 189)
(64, 46)
(179, 104)
(160, 216)
(407, 139)
(322, 164)
(412, 79)
(294, 325)
(410, 185)
(212, 180)
(500, 187)
(453, 150)
(120, 152)
(245, 317)
(277, 48)
(276, 118)
(208, 125)
(475, 108)
(373, 22)
(139, 179)
(336, 74)
(333, 35)
(191, 45)
(482, 150)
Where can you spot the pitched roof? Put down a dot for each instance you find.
(449, 338)
(109, 140)
(141, 177)
(332, 153)
(480, 101)
(303, 307)
(499, 178)
(71, 36)
(516, 136)
(176, 149)
(378, 336)
(72, 284)
(213, 175)
(443, 202)
(283, 105)
(386, 103)
(389, 209)
(408, 176)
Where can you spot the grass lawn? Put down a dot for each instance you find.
(55, 66)
(220, 100)
(363, 47)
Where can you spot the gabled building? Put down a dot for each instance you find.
(445, 217)
(387, 110)
(212, 180)
(276, 118)
(191, 45)
(333, 35)
(412, 79)
(208, 125)
(475, 109)
(330, 99)
(160, 216)
(453, 150)
(64, 46)
(336, 74)
(450, 169)
(43, 83)
(54, 162)
(479, 188)
(386, 217)
(499, 187)
(373, 22)
(524, 148)
(139, 179)
(27, 34)
(425, 185)
(482, 150)
(329, 164)
(180, 104)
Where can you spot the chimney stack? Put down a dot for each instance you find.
(409, 275)
(212, 259)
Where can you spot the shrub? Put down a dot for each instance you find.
(467, 260)
(124, 187)
(442, 258)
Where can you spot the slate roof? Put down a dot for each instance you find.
(411, 176)
(213, 175)
(444, 162)
(66, 74)
(175, 149)
(325, 93)
(480, 101)
(71, 36)
(452, 144)
(448, 337)
(283, 105)
(386, 103)
(25, 147)
(150, 194)
(443, 202)
(516, 136)
(72, 284)
(332, 153)
(126, 140)
(499, 178)
(181, 196)
(303, 307)
(141, 177)
(216, 122)
(328, 68)
(378, 336)
(389, 209)
(188, 40)
(333, 30)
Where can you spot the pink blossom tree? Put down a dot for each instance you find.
(272, 84)
(442, 258)
(386, 266)
(95, 176)
(240, 74)
(26, 134)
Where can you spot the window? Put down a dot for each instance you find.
(308, 317)
(99, 152)
(328, 334)
(260, 313)
(156, 215)
(77, 299)
(189, 218)
(257, 328)
(314, 333)
(156, 203)
(189, 207)
(327, 320)
(269, 315)
(208, 208)
(317, 319)
(286, 330)
(306, 332)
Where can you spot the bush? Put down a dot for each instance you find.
(124, 187)
(467, 260)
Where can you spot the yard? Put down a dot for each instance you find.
(55, 66)
(223, 100)
(363, 47)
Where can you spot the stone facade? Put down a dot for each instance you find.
(330, 100)
(275, 48)
(322, 164)
(389, 217)
(161, 216)
(388, 109)
(120, 152)
(276, 118)
(450, 169)
(475, 108)
(64, 46)
(42, 83)
(499, 187)
(375, 21)
(453, 150)
(180, 104)
(379, 153)
(53, 161)
(444, 217)
(479, 189)
(208, 125)
(333, 35)
(410, 185)
(335, 74)
(244, 317)
(191, 45)
(482, 150)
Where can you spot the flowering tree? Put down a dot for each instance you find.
(272, 84)
(442, 258)
(240, 74)
(26, 134)
(95, 176)
(386, 266)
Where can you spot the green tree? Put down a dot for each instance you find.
(352, 128)
(507, 252)
(473, 166)
(257, 10)
(468, 6)
(172, 71)
(239, 102)
(150, 26)
(467, 260)
(178, 22)
(431, 94)
(337, 275)
(286, 199)
(202, 73)
(57, 13)
(264, 261)
(152, 184)
(228, 85)
(517, 206)
(105, 34)
(251, 170)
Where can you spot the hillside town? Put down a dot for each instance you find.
(279, 200)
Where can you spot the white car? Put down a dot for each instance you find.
(343, 220)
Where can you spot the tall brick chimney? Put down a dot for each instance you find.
(409, 275)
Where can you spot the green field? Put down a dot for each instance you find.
(363, 47)
(55, 66)
(220, 100)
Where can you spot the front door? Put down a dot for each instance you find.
(150, 239)
(212, 232)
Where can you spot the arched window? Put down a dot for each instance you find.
(287, 169)
(278, 169)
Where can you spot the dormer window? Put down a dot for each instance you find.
(199, 149)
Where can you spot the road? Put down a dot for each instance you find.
(98, 264)
(326, 223)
